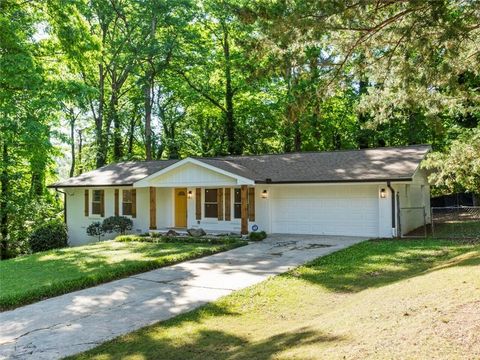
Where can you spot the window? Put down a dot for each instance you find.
(237, 204)
(97, 202)
(211, 204)
(127, 202)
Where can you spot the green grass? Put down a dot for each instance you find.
(379, 299)
(34, 277)
(466, 229)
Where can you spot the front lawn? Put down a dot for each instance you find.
(34, 277)
(379, 299)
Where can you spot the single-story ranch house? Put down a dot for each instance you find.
(352, 192)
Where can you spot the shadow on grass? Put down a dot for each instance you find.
(381, 262)
(42, 275)
(206, 344)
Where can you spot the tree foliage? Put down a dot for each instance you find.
(87, 82)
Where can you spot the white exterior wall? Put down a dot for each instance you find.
(415, 194)
(234, 225)
(330, 209)
(77, 222)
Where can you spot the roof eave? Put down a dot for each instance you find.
(333, 181)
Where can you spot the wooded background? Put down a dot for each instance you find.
(118, 80)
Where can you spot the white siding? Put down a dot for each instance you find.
(77, 222)
(191, 175)
(414, 196)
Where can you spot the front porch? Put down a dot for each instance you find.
(199, 195)
(214, 209)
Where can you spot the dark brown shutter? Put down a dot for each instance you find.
(220, 203)
(102, 203)
(134, 203)
(244, 209)
(86, 204)
(153, 208)
(117, 200)
(198, 203)
(228, 206)
(251, 204)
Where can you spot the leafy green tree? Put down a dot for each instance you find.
(457, 169)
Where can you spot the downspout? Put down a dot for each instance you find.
(393, 209)
(64, 204)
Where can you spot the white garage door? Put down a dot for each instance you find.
(325, 210)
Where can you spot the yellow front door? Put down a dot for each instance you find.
(181, 208)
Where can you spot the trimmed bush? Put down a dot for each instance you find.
(118, 224)
(48, 236)
(257, 236)
(96, 229)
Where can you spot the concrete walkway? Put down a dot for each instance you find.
(81, 320)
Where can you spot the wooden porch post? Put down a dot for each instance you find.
(153, 208)
(244, 209)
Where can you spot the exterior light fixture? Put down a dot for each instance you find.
(264, 194)
(383, 193)
(189, 195)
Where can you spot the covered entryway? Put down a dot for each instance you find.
(326, 210)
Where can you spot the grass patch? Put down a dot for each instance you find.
(378, 299)
(34, 277)
(458, 229)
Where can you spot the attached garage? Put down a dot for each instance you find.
(326, 210)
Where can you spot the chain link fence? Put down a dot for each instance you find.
(455, 222)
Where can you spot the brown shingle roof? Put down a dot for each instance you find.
(381, 164)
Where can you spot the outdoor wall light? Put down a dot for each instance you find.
(383, 193)
(264, 194)
(189, 194)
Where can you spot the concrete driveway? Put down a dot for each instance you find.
(81, 320)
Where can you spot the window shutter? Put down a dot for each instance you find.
(228, 206)
(220, 203)
(198, 203)
(102, 203)
(87, 203)
(251, 204)
(117, 211)
(134, 203)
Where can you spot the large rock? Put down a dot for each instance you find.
(172, 232)
(196, 232)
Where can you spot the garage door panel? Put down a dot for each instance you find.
(328, 210)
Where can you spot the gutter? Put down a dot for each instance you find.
(269, 181)
(393, 208)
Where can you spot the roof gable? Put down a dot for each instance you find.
(192, 172)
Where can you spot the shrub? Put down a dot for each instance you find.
(128, 238)
(48, 236)
(257, 236)
(119, 224)
(96, 229)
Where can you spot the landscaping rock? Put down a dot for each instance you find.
(172, 232)
(196, 232)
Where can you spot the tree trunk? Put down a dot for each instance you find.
(72, 142)
(80, 148)
(131, 133)
(4, 183)
(233, 143)
(117, 128)
(148, 115)
(101, 155)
